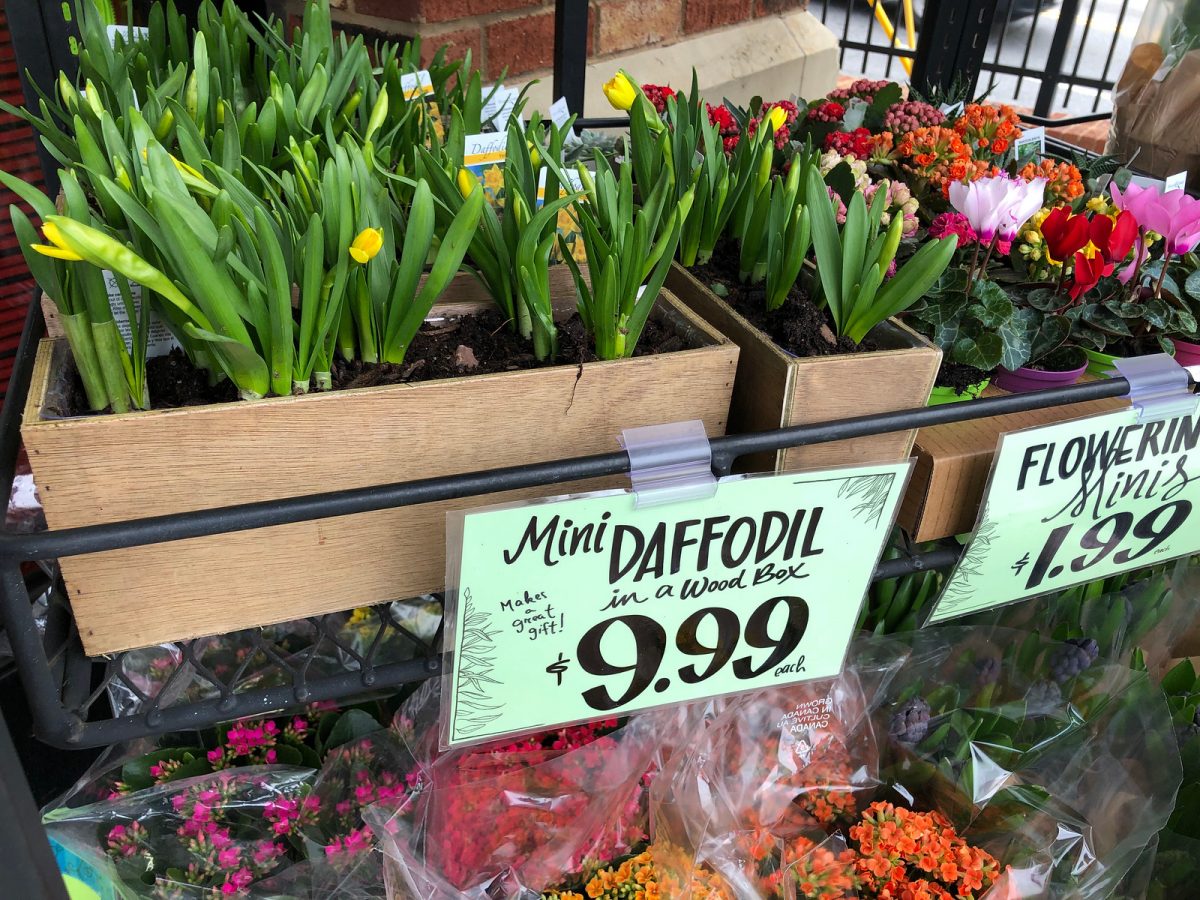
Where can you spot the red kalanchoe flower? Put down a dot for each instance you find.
(658, 94)
(857, 143)
(829, 111)
(724, 120)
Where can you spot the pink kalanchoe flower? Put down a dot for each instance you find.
(1174, 214)
(953, 223)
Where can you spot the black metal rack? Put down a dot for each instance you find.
(67, 690)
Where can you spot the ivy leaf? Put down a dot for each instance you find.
(984, 352)
(993, 307)
(1016, 336)
(1192, 285)
(1044, 299)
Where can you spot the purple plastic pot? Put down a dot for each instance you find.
(1025, 379)
(1186, 353)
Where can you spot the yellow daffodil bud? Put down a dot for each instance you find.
(776, 117)
(534, 157)
(467, 182)
(620, 92)
(368, 243)
(56, 248)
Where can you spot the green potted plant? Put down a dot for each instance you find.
(325, 341)
(802, 333)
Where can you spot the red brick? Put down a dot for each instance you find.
(457, 43)
(433, 11)
(701, 15)
(625, 24)
(525, 44)
(775, 7)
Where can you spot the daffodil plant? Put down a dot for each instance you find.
(629, 251)
(510, 250)
(853, 262)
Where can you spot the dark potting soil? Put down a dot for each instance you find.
(470, 345)
(798, 326)
(959, 376)
(482, 344)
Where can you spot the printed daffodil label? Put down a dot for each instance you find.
(589, 607)
(484, 158)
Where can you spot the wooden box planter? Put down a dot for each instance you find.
(110, 468)
(775, 389)
(953, 462)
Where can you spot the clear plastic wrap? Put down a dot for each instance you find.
(524, 815)
(762, 783)
(1062, 766)
(191, 837)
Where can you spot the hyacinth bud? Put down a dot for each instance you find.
(910, 722)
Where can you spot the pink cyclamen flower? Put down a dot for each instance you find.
(1024, 200)
(997, 205)
(1173, 214)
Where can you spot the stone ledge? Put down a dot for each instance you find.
(775, 57)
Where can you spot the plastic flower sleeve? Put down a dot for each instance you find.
(1059, 765)
(536, 812)
(219, 832)
(763, 782)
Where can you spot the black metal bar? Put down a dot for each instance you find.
(30, 871)
(1054, 61)
(247, 516)
(952, 43)
(1080, 80)
(1065, 121)
(570, 52)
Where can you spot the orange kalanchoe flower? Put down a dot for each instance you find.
(938, 155)
(988, 130)
(1064, 182)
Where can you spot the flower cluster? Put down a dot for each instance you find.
(988, 130)
(939, 156)
(821, 874)
(658, 95)
(863, 89)
(829, 111)
(723, 119)
(902, 853)
(909, 115)
(1064, 181)
(858, 143)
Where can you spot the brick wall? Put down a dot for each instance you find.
(519, 34)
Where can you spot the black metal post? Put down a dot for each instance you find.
(42, 39)
(30, 871)
(952, 42)
(570, 52)
(1054, 61)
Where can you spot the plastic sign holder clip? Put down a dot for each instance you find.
(1159, 387)
(669, 463)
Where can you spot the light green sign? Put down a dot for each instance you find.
(585, 608)
(1076, 502)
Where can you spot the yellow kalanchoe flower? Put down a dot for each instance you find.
(367, 245)
(57, 248)
(466, 182)
(620, 92)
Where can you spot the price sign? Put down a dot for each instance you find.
(587, 607)
(1076, 502)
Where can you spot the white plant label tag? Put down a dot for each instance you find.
(160, 341)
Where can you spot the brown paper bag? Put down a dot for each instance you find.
(1156, 114)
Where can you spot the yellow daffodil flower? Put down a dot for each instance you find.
(620, 92)
(184, 168)
(534, 157)
(776, 117)
(368, 243)
(466, 182)
(57, 248)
